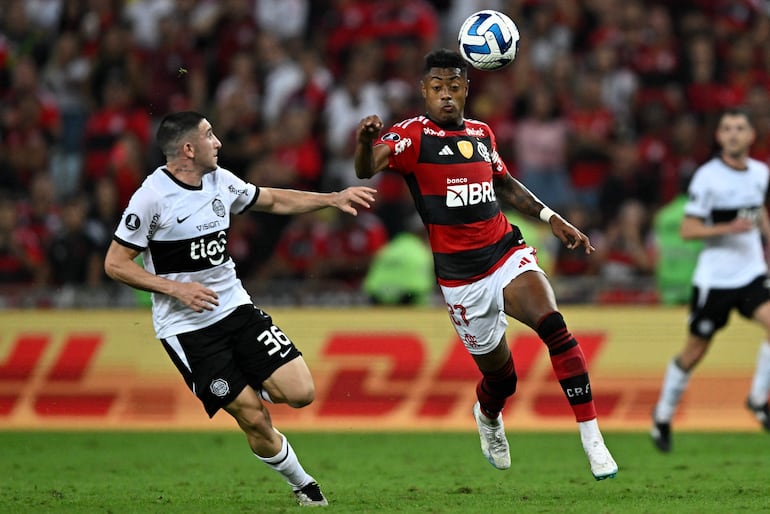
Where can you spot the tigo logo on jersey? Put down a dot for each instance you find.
(469, 194)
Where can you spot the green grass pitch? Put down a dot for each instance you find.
(214, 472)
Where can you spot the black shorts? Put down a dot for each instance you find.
(709, 314)
(218, 361)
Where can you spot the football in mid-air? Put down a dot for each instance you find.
(488, 40)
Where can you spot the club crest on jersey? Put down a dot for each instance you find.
(133, 222)
(219, 387)
(218, 207)
(391, 136)
(483, 151)
(466, 148)
(464, 195)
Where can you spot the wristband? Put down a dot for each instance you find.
(545, 214)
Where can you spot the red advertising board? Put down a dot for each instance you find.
(383, 369)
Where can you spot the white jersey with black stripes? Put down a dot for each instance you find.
(182, 233)
(719, 193)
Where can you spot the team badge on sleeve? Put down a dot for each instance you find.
(132, 222)
(391, 136)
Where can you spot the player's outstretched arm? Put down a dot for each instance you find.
(120, 266)
(510, 190)
(369, 159)
(292, 201)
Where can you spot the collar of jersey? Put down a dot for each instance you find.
(180, 183)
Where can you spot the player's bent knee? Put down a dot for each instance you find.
(302, 396)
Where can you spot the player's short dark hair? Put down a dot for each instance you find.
(737, 111)
(444, 58)
(173, 127)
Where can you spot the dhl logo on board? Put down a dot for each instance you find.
(367, 375)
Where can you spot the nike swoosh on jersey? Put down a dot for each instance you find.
(181, 220)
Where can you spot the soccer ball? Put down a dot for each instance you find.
(488, 40)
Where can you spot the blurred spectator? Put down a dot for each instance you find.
(401, 272)
(25, 38)
(299, 249)
(22, 259)
(119, 115)
(145, 16)
(568, 263)
(233, 30)
(350, 246)
(126, 166)
(592, 125)
(358, 94)
(628, 180)
(74, 258)
(104, 213)
(542, 140)
(30, 122)
(286, 19)
(115, 58)
(676, 257)
(173, 74)
(39, 210)
(625, 253)
(66, 76)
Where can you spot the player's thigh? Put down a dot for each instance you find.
(292, 383)
(529, 297)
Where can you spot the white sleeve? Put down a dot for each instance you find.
(140, 220)
(242, 194)
(698, 197)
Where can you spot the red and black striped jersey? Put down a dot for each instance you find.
(450, 172)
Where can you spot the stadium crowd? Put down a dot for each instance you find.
(607, 110)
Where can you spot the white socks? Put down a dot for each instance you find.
(287, 464)
(760, 385)
(589, 432)
(674, 384)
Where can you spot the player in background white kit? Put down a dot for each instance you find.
(228, 351)
(726, 209)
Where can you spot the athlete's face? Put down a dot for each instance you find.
(206, 147)
(445, 91)
(735, 135)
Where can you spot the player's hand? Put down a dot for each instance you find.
(346, 199)
(196, 296)
(739, 225)
(369, 129)
(569, 234)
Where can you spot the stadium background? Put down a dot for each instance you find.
(631, 90)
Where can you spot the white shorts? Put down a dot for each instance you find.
(477, 309)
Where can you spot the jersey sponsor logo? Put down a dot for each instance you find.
(183, 218)
(391, 136)
(446, 151)
(214, 250)
(133, 222)
(475, 132)
(153, 225)
(403, 145)
(466, 148)
(219, 387)
(469, 194)
(237, 192)
(208, 225)
(430, 132)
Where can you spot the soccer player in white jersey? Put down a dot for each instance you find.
(230, 353)
(726, 209)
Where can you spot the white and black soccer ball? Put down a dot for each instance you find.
(488, 40)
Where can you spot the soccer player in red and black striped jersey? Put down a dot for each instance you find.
(483, 265)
